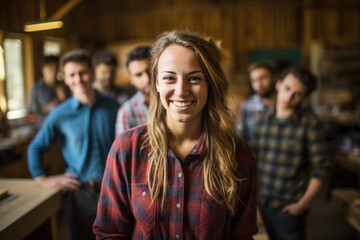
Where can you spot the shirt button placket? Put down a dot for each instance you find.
(179, 203)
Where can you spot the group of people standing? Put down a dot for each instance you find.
(170, 162)
(84, 124)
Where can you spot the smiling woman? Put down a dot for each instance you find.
(186, 169)
(182, 87)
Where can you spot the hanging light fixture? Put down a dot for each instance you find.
(43, 25)
(54, 21)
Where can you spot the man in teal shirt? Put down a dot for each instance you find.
(84, 125)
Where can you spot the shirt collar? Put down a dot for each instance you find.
(197, 150)
(75, 104)
(140, 97)
(294, 117)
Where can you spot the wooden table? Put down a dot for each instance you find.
(13, 147)
(27, 207)
(16, 137)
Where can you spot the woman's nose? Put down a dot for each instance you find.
(181, 88)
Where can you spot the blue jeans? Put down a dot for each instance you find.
(283, 226)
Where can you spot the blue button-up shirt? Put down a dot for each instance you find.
(85, 134)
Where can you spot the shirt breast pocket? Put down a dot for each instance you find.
(211, 216)
(143, 209)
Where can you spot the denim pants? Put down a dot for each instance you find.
(283, 226)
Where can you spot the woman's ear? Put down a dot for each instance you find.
(157, 86)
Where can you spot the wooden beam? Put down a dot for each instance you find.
(63, 10)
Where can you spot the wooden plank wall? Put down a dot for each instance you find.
(241, 25)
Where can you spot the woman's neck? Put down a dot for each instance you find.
(184, 138)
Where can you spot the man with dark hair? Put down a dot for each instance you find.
(105, 64)
(84, 126)
(262, 80)
(135, 110)
(290, 150)
(48, 91)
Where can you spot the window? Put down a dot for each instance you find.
(14, 79)
(2, 80)
(52, 48)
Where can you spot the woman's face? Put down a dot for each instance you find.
(182, 86)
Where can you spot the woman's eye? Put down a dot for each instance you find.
(169, 78)
(195, 79)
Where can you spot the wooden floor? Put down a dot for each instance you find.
(324, 223)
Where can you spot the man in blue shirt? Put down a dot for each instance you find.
(84, 126)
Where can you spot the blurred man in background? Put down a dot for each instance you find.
(84, 125)
(290, 149)
(262, 79)
(105, 65)
(135, 110)
(48, 91)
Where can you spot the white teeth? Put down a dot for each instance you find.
(181, 104)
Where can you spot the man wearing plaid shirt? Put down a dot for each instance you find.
(262, 79)
(134, 111)
(291, 155)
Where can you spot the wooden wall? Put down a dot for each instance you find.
(241, 25)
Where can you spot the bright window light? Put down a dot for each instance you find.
(15, 89)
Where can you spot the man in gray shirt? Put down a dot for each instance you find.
(48, 91)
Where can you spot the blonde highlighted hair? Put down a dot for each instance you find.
(220, 176)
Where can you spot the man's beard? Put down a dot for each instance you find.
(267, 94)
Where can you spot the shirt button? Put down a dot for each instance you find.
(143, 194)
(179, 175)
(194, 150)
(177, 236)
(178, 205)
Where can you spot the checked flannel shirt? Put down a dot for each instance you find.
(125, 210)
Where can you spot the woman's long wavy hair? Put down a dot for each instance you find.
(220, 176)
